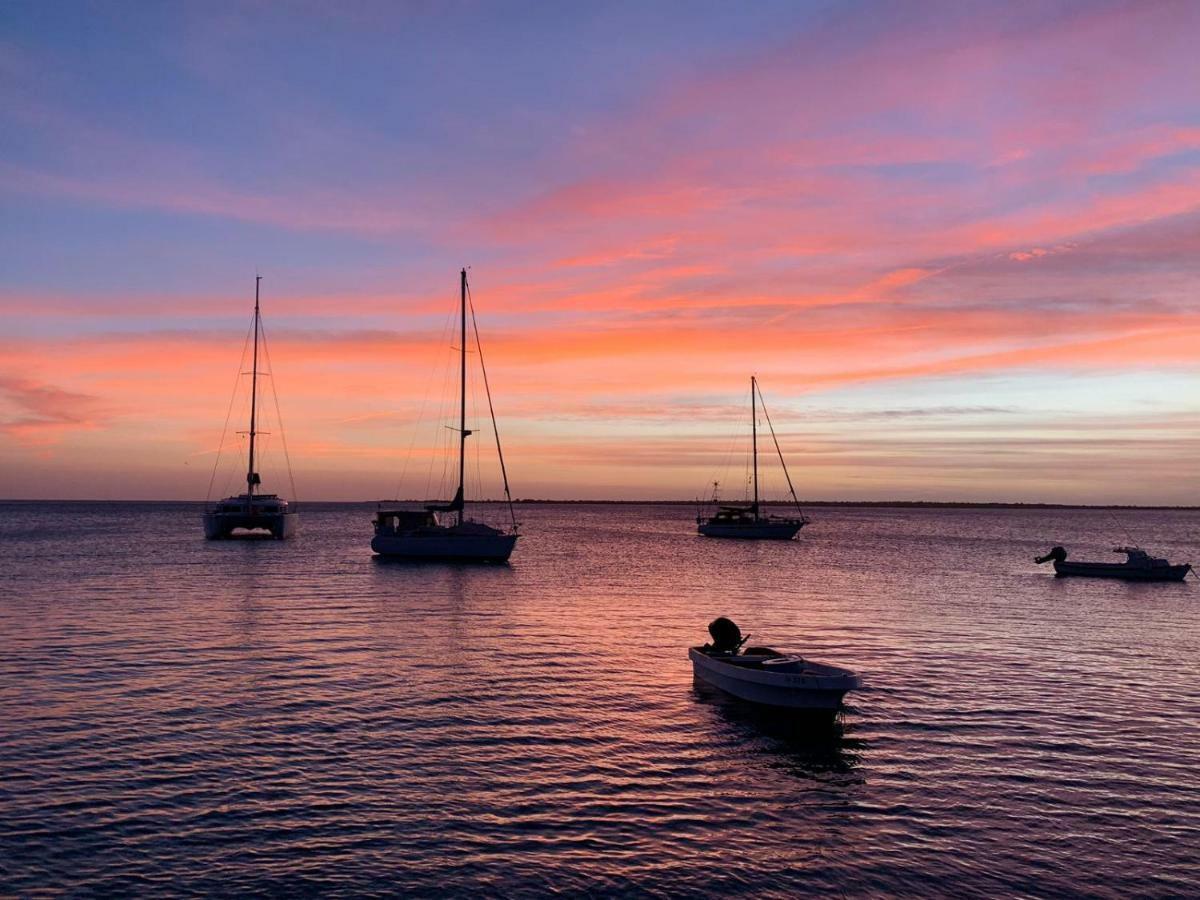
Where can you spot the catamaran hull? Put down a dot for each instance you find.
(222, 526)
(799, 692)
(462, 548)
(1120, 571)
(763, 531)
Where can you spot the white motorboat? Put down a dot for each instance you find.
(746, 521)
(767, 677)
(1138, 566)
(406, 533)
(250, 513)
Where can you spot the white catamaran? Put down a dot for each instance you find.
(746, 520)
(423, 533)
(251, 512)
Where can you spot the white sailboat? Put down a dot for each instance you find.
(441, 531)
(733, 520)
(252, 511)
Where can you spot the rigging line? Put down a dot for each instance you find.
(437, 450)
(278, 417)
(435, 446)
(230, 473)
(722, 470)
(795, 499)
(477, 450)
(228, 412)
(412, 442)
(1121, 527)
(491, 409)
(747, 440)
(445, 443)
(442, 439)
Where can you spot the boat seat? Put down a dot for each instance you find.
(784, 663)
(761, 651)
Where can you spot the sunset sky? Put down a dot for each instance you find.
(959, 244)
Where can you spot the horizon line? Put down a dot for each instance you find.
(530, 501)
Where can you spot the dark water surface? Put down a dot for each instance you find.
(234, 718)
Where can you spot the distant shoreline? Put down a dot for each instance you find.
(865, 504)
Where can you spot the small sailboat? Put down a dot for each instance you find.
(767, 677)
(1138, 566)
(747, 521)
(424, 533)
(252, 511)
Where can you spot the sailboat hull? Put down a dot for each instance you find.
(445, 547)
(224, 526)
(757, 531)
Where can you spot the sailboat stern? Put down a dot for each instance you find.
(762, 530)
(417, 535)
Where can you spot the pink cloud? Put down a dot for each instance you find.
(937, 193)
(37, 413)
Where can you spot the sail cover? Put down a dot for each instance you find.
(454, 505)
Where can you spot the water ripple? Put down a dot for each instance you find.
(273, 719)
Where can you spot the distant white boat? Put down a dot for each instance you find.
(767, 677)
(245, 514)
(423, 534)
(747, 521)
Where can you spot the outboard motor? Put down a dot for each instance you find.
(1058, 554)
(727, 637)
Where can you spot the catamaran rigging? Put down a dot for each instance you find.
(251, 511)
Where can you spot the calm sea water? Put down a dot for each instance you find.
(282, 718)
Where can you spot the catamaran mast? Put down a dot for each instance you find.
(462, 403)
(754, 439)
(251, 476)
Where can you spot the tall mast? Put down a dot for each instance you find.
(754, 438)
(251, 476)
(462, 399)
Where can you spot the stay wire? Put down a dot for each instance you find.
(412, 442)
(771, 427)
(228, 412)
(491, 409)
(735, 438)
(278, 416)
(441, 443)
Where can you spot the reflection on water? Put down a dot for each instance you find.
(297, 718)
(403, 562)
(813, 746)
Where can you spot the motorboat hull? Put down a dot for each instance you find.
(1121, 571)
(757, 531)
(446, 547)
(808, 686)
(224, 526)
